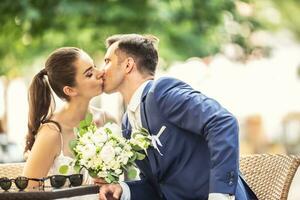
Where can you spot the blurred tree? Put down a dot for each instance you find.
(31, 28)
(290, 11)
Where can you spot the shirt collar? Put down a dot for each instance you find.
(135, 100)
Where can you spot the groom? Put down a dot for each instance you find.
(196, 150)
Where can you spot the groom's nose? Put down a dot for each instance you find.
(100, 73)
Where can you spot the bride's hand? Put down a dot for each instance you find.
(99, 181)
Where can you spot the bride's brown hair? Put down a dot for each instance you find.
(59, 72)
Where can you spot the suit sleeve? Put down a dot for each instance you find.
(142, 189)
(194, 112)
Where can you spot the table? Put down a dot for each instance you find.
(50, 193)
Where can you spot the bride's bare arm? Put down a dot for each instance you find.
(101, 117)
(109, 117)
(46, 147)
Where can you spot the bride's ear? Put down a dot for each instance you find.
(69, 91)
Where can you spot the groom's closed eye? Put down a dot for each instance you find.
(106, 60)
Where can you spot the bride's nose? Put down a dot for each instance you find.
(100, 73)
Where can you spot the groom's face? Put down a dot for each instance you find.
(114, 69)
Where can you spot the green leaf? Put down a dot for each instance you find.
(145, 131)
(131, 173)
(77, 168)
(93, 174)
(133, 158)
(113, 179)
(72, 145)
(134, 134)
(76, 130)
(88, 119)
(82, 124)
(108, 130)
(140, 156)
(107, 180)
(136, 148)
(63, 169)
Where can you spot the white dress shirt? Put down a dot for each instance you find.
(134, 117)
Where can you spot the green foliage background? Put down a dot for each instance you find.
(186, 28)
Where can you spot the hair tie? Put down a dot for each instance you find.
(42, 72)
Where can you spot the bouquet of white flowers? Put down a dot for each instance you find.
(104, 152)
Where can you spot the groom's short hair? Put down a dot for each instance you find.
(141, 47)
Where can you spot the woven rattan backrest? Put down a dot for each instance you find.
(269, 176)
(11, 170)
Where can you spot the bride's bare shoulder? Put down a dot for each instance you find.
(49, 132)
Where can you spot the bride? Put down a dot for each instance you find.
(73, 76)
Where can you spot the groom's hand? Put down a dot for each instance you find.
(99, 181)
(110, 192)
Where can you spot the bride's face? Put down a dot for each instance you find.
(89, 79)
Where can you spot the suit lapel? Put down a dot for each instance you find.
(142, 111)
(145, 125)
(145, 166)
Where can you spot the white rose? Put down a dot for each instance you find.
(85, 139)
(107, 153)
(115, 165)
(88, 151)
(99, 137)
(115, 129)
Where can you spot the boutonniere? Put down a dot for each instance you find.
(141, 139)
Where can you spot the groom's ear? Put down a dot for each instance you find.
(130, 64)
(69, 91)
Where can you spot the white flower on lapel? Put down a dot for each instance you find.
(141, 139)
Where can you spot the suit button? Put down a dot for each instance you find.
(230, 182)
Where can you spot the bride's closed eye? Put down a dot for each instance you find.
(90, 73)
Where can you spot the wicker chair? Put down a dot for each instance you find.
(269, 176)
(11, 170)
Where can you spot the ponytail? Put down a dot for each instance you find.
(40, 109)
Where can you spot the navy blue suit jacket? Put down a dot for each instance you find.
(200, 146)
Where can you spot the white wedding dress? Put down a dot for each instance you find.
(60, 160)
